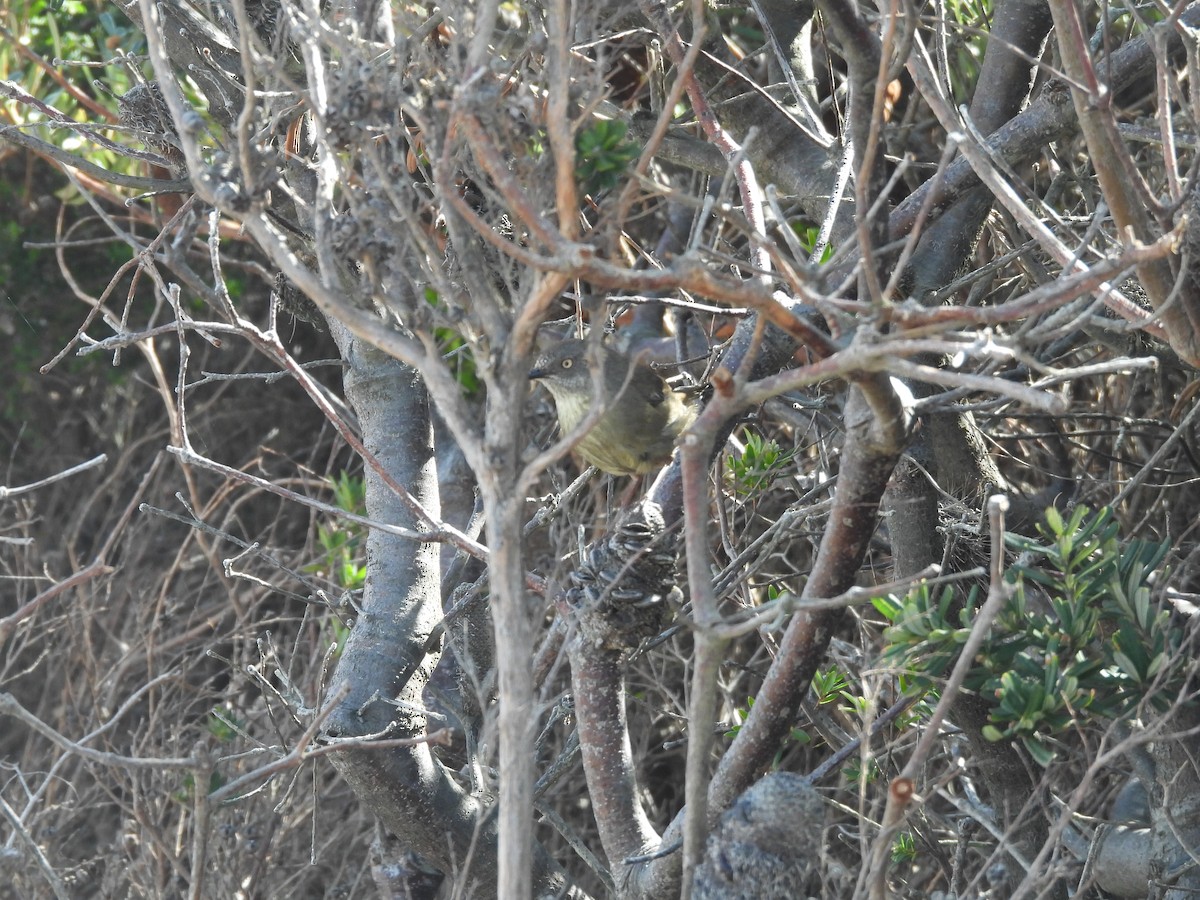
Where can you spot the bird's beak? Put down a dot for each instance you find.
(535, 374)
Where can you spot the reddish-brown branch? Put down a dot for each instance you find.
(873, 446)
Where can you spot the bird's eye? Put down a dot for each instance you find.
(567, 363)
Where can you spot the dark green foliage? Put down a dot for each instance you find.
(343, 541)
(761, 461)
(602, 155)
(1079, 634)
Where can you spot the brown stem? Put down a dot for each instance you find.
(872, 448)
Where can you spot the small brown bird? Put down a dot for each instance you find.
(644, 415)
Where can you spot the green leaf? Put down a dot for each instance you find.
(1041, 752)
(888, 606)
(1127, 665)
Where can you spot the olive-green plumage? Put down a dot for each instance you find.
(643, 416)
